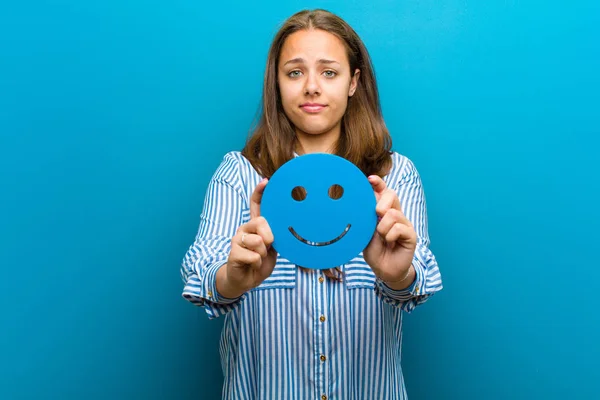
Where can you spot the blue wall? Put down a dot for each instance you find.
(113, 116)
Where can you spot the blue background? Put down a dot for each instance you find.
(114, 115)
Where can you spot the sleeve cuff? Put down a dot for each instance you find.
(415, 294)
(203, 292)
(210, 285)
(413, 290)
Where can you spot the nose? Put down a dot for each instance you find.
(311, 86)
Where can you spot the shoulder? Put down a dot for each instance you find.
(236, 170)
(234, 158)
(402, 168)
(234, 164)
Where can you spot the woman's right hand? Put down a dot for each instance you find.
(251, 259)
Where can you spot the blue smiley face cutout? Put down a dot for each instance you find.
(321, 210)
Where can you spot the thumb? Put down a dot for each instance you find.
(256, 198)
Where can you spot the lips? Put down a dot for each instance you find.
(312, 107)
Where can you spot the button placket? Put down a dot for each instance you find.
(322, 346)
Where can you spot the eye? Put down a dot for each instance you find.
(298, 193)
(329, 73)
(336, 192)
(294, 74)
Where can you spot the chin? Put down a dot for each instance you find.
(314, 133)
(315, 130)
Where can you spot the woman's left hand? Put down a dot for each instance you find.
(390, 252)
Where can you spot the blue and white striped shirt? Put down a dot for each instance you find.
(300, 335)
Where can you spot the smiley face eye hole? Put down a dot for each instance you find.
(298, 193)
(336, 192)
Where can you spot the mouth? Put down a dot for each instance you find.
(312, 108)
(308, 242)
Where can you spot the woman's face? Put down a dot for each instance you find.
(315, 83)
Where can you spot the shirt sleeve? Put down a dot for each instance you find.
(225, 207)
(428, 279)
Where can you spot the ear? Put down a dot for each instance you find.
(354, 82)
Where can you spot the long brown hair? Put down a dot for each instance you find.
(364, 138)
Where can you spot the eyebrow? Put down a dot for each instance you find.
(301, 61)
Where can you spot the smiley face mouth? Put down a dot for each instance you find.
(308, 242)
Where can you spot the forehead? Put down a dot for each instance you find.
(312, 45)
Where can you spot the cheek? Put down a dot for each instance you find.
(288, 98)
(340, 93)
(341, 103)
(289, 90)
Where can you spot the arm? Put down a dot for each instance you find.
(224, 211)
(424, 277)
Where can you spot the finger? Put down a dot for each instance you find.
(388, 201)
(375, 244)
(251, 226)
(400, 233)
(260, 226)
(388, 222)
(266, 269)
(389, 219)
(256, 198)
(253, 242)
(264, 230)
(392, 216)
(248, 257)
(377, 183)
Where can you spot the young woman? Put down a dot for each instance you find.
(292, 333)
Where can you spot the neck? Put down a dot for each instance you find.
(317, 143)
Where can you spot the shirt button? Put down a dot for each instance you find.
(323, 358)
(322, 318)
(323, 397)
(321, 280)
(210, 294)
